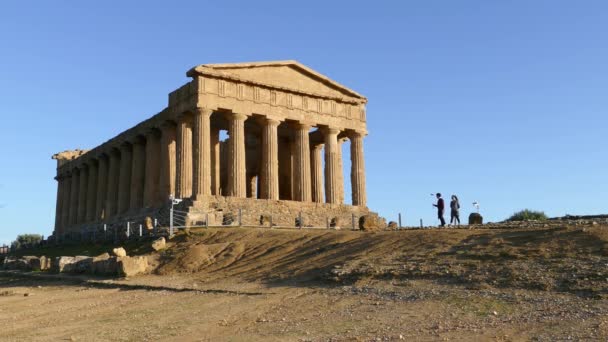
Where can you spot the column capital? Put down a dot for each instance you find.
(203, 111)
(356, 134)
(238, 116)
(330, 130)
(303, 125)
(315, 147)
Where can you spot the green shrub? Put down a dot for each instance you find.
(24, 240)
(528, 215)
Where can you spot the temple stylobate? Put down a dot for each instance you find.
(248, 136)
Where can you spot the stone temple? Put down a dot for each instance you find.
(280, 154)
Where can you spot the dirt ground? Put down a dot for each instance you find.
(243, 284)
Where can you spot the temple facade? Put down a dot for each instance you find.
(258, 137)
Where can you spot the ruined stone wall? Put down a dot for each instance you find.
(283, 213)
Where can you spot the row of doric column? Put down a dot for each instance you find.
(183, 159)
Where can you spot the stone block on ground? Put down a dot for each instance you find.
(119, 252)
(392, 225)
(159, 244)
(475, 218)
(131, 266)
(371, 223)
(148, 223)
(63, 264)
(104, 264)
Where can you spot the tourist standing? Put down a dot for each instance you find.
(440, 208)
(454, 210)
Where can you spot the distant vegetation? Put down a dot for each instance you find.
(528, 215)
(26, 240)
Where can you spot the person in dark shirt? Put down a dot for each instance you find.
(440, 208)
(454, 210)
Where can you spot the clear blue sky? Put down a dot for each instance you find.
(503, 102)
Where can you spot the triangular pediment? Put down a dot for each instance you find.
(283, 74)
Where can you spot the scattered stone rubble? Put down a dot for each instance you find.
(104, 264)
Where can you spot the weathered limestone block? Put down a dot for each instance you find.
(371, 223)
(104, 264)
(148, 223)
(392, 225)
(159, 244)
(62, 262)
(130, 266)
(119, 252)
(475, 218)
(11, 263)
(81, 264)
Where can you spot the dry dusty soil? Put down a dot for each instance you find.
(243, 284)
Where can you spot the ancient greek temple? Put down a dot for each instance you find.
(252, 136)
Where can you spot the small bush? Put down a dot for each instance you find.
(25, 240)
(528, 215)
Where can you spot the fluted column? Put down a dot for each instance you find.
(82, 194)
(236, 161)
(74, 196)
(66, 202)
(59, 203)
(340, 173)
(302, 163)
(201, 146)
(113, 180)
(151, 188)
(269, 180)
(91, 191)
(357, 171)
(331, 166)
(316, 169)
(183, 182)
(167, 161)
(136, 196)
(215, 161)
(102, 188)
(124, 178)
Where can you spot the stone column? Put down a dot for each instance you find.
(167, 161)
(74, 196)
(58, 205)
(65, 203)
(252, 186)
(124, 178)
(269, 175)
(357, 171)
(302, 163)
(138, 169)
(151, 188)
(102, 188)
(215, 161)
(331, 166)
(340, 173)
(201, 146)
(91, 191)
(236, 161)
(183, 182)
(82, 194)
(113, 180)
(316, 167)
